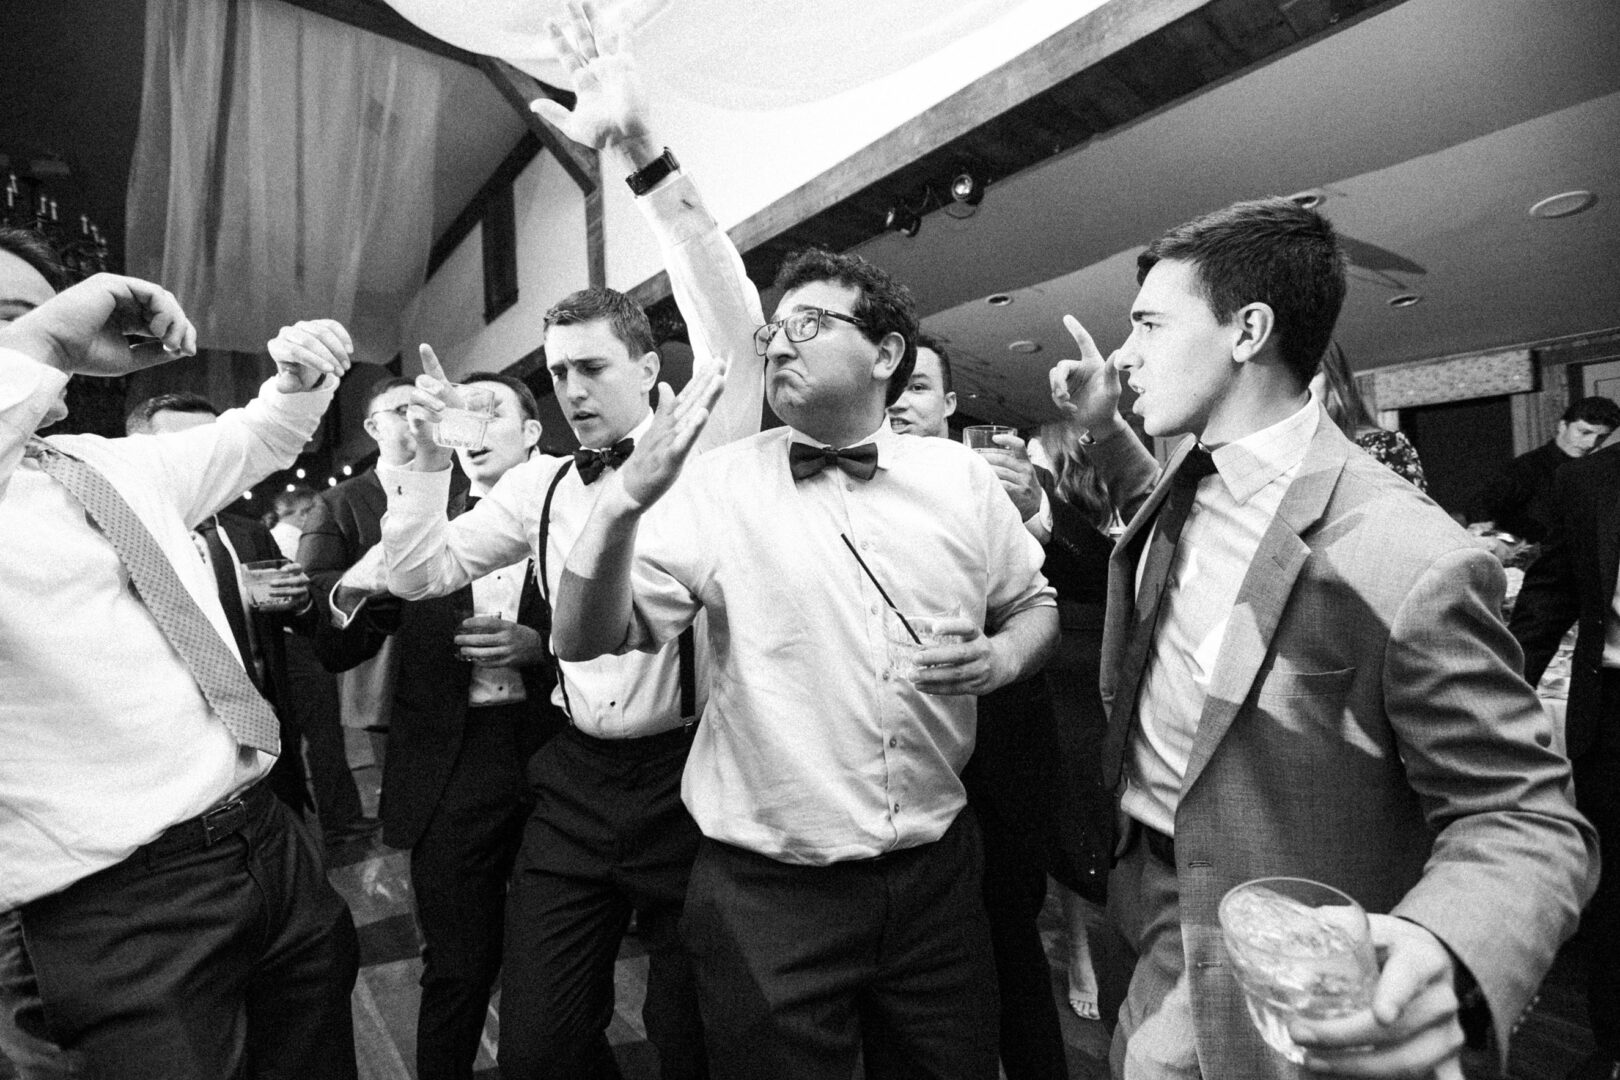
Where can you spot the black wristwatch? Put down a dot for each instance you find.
(650, 175)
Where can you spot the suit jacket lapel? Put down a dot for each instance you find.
(1264, 595)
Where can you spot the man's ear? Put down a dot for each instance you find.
(651, 365)
(890, 352)
(950, 403)
(531, 435)
(370, 426)
(1254, 323)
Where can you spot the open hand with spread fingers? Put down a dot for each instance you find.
(610, 106)
(677, 422)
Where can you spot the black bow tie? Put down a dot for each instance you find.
(858, 461)
(1198, 464)
(590, 463)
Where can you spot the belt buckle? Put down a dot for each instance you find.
(223, 820)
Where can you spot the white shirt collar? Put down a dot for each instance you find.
(1250, 463)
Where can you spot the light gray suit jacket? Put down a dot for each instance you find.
(1367, 727)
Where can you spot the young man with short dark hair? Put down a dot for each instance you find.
(1307, 675)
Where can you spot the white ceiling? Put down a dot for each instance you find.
(1430, 127)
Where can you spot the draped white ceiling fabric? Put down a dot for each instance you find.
(743, 54)
(283, 170)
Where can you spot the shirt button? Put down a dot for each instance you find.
(897, 808)
(874, 609)
(848, 486)
(893, 742)
(885, 675)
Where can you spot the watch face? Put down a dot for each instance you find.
(644, 179)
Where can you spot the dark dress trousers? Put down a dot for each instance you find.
(454, 790)
(1573, 582)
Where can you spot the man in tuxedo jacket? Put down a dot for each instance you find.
(1575, 581)
(471, 686)
(1321, 686)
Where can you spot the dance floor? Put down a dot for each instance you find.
(376, 882)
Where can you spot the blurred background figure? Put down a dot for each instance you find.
(1519, 499)
(1335, 387)
(292, 510)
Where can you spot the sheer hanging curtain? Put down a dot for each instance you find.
(283, 170)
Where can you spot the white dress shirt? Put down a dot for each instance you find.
(811, 750)
(426, 555)
(498, 595)
(1231, 512)
(107, 738)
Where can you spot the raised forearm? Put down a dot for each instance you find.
(592, 614)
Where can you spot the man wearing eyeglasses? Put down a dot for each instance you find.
(834, 904)
(609, 836)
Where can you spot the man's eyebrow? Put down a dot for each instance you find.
(1144, 313)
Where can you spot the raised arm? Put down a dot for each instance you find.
(1086, 393)
(79, 331)
(721, 306)
(425, 553)
(593, 604)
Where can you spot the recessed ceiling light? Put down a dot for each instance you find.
(1405, 299)
(1024, 347)
(999, 299)
(1564, 204)
(1310, 200)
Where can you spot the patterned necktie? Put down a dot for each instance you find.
(223, 682)
(591, 463)
(1155, 577)
(805, 460)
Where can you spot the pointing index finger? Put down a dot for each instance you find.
(1082, 337)
(430, 363)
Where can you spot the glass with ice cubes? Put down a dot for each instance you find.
(1298, 948)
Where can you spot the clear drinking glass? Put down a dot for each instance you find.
(463, 428)
(902, 648)
(1298, 948)
(260, 577)
(982, 437)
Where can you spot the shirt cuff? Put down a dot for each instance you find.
(341, 619)
(674, 211)
(414, 493)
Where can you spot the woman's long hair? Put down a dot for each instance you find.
(1077, 481)
(1340, 396)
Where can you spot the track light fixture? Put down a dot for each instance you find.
(967, 188)
(902, 219)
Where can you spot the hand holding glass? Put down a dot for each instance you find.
(274, 584)
(462, 427)
(1298, 949)
(982, 437)
(909, 632)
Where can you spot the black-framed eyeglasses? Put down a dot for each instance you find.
(400, 411)
(802, 325)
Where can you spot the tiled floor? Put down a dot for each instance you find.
(376, 883)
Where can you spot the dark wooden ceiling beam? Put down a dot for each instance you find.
(378, 18)
(519, 88)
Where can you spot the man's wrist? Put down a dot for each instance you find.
(638, 151)
(36, 346)
(650, 168)
(1106, 431)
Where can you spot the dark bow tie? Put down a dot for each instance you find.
(858, 461)
(590, 463)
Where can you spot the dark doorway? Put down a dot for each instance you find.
(1462, 444)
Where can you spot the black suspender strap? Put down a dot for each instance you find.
(687, 653)
(686, 647)
(542, 549)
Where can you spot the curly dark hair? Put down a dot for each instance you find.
(884, 306)
(1271, 251)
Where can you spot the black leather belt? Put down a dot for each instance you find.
(212, 826)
